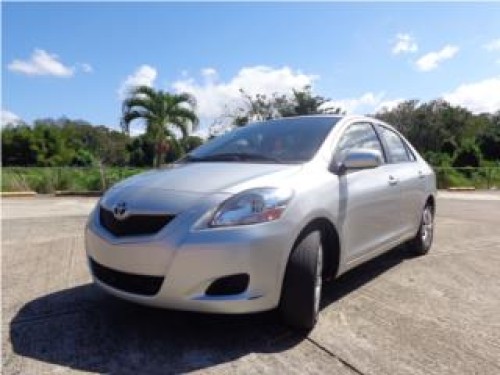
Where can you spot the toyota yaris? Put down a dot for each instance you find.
(260, 217)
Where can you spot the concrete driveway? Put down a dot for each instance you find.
(438, 314)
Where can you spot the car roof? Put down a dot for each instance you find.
(340, 118)
(327, 115)
(349, 117)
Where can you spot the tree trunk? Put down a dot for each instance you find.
(159, 153)
(158, 159)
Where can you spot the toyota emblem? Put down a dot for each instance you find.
(120, 210)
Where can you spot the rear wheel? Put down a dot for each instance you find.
(301, 291)
(422, 242)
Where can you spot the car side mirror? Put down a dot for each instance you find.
(358, 159)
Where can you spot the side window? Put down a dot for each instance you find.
(360, 135)
(396, 148)
(410, 153)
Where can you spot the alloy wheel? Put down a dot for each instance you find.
(427, 227)
(318, 284)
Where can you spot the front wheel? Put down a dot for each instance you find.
(301, 291)
(422, 242)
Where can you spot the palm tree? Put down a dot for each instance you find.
(163, 113)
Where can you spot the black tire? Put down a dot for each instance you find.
(422, 242)
(301, 294)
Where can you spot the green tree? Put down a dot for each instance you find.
(489, 138)
(106, 145)
(63, 142)
(18, 146)
(50, 146)
(468, 155)
(142, 151)
(164, 114)
(435, 126)
(305, 103)
(83, 158)
(190, 142)
(266, 107)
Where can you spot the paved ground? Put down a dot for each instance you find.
(438, 314)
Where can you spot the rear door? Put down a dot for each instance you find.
(369, 204)
(404, 169)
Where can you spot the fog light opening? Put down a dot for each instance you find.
(229, 285)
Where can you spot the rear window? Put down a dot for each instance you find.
(396, 148)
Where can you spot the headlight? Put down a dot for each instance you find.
(252, 206)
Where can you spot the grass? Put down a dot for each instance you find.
(49, 180)
(480, 178)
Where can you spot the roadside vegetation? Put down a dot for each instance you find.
(75, 179)
(64, 154)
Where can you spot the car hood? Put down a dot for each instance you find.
(176, 188)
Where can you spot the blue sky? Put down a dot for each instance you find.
(77, 59)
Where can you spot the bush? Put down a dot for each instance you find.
(468, 155)
(49, 180)
(449, 177)
(481, 178)
(438, 159)
(83, 158)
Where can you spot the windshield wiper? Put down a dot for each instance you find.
(232, 156)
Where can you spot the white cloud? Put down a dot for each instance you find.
(8, 117)
(214, 96)
(493, 45)
(404, 43)
(86, 68)
(41, 63)
(363, 104)
(144, 75)
(432, 60)
(208, 72)
(478, 97)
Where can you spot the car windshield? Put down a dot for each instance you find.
(291, 140)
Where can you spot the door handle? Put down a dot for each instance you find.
(420, 174)
(393, 180)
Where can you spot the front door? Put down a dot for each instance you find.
(369, 199)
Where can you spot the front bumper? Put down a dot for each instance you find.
(189, 260)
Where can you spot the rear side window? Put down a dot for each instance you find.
(396, 148)
(411, 155)
(358, 136)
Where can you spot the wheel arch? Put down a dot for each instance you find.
(431, 200)
(330, 242)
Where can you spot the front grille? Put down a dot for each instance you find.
(133, 225)
(128, 282)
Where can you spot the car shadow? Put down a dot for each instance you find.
(362, 274)
(85, 329)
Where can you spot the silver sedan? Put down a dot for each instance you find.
(258, 218)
